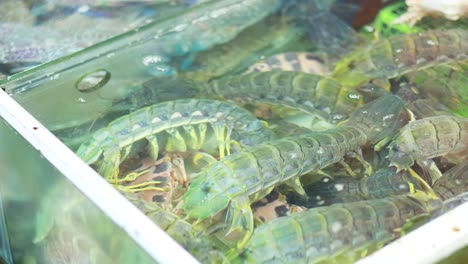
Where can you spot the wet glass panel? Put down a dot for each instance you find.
(47, 219)
(80, 93)
(39, 31)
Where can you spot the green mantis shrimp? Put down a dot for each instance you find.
(340, 233)
(309, 93)
(397, 55)
(225, 119)
(428, 138)
(244, 177)
(341, 189)
(303, 92)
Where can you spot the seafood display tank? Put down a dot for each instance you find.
(235, 131)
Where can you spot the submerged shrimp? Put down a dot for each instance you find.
(400, 54)
(244, 177)
(340, 233)
(224, 118)
(428, 138)
(309, 93)
(342, 189)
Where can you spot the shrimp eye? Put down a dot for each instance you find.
(206, 188)
(396, 148)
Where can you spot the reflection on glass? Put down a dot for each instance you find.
(48, 219)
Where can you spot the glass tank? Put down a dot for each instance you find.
(47, 219)
(236, 127)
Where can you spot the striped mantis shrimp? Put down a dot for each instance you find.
(192, 116)
(340, 233)
(341, 189)
(397, 55)
(308, 93)
(428, 138)
(244, 177)
(453, 182)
